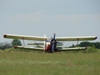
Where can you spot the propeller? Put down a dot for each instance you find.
(53, 41)
(53, 45)
(54, 36)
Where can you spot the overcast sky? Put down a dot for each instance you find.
(39, 17)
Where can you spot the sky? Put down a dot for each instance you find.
(66, 18)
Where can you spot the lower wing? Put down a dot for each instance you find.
(26, 47)
(73, 49)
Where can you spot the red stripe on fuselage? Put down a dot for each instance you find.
(48, 47)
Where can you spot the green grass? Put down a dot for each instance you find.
(36, 63)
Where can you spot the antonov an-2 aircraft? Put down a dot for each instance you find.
(52, 45)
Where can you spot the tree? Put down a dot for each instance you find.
(84, 44)
(5, 45)
(97, 45)
(16, 42)
(90, 44)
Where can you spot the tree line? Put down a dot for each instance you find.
(88, 44)
(5, 45)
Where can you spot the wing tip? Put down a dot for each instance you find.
(15, 47)
(5, 35)
(96, 37)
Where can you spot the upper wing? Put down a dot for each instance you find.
(13, 36)
(38, 38)
(76, 38)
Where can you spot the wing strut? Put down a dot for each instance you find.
(44, 43)
(23, 41)
(77, 41)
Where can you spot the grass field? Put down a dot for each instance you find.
(36, 63)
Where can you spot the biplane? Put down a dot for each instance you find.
(53, 44)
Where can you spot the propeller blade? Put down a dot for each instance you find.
(48, 41)
(59, 43)
(54, 36)
(53, 47)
